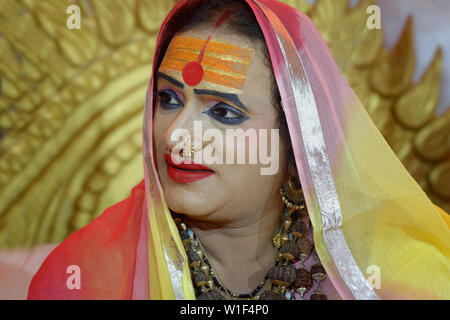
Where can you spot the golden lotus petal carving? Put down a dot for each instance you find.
(433, 141)
(440, 179)
(115, 19)
(367, 44)
(326, 13)
(11, 69)
(69, 42)
(49, 15)
(393, 72)
(149, 13)
(417, 106)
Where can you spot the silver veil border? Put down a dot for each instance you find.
(304, 102)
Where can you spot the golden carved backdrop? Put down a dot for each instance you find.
(71, 105)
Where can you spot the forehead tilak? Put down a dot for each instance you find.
(222, 63)
(211, 61)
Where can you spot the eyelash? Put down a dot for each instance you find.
(238, 118)
(172, 95)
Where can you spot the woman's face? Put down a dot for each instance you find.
(234, 93)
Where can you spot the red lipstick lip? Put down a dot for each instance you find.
(186, 173)
(187, 166)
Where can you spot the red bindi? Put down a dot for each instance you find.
(193, 73)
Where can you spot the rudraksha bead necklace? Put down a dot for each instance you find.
(207, 286)
(289, 278)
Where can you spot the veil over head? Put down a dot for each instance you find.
(367, 212)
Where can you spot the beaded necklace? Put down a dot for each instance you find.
(289, 278)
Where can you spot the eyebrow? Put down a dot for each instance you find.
(228, 96)
(170, 79)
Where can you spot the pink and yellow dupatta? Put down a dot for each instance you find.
(367, 212)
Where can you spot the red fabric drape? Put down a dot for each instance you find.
(105, 252)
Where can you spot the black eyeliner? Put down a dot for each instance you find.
(228, 121)
(173, 95)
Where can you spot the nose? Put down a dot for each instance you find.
(181, 133)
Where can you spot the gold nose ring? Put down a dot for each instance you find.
(188, 148)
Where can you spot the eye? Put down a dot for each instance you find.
(169, 100)
(226, 114)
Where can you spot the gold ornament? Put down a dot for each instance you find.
(277, 241)
(204, 268)
(188, 149)
(287, 223)
(199, 253)
(210, 284)
(284, 238)
(292, 195)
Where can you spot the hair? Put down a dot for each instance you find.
(243, 22)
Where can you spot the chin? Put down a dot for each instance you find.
(187, 199)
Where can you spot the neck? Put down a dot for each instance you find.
(242, 252)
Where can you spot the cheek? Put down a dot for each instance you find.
(157, 128)
(161, 124)
(261, 128)
(259, 122)
(243, 187)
